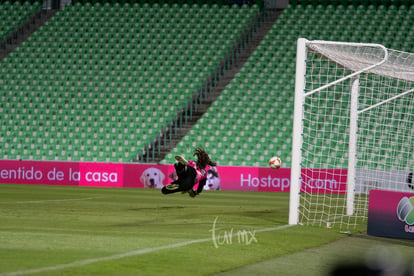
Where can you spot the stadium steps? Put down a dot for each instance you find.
(24, 31)
(268, 22)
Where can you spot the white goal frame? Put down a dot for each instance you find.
(301, 93)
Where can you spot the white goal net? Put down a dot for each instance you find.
(353, 130)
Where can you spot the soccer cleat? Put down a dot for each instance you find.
(172, 187)
(180, 159)
(192, 193)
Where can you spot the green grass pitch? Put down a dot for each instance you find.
(51, 230)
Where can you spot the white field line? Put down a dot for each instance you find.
(125, 255)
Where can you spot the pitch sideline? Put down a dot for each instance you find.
(124, 255)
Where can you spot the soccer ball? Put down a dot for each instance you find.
(275, 162)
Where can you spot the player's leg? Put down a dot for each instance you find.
(175, 187)
(192, 192)
(179, 169)
(171, 188)
(200, 188)
(180, 166)
(184, 182)
(187, 180)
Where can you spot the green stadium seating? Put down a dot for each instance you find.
(252, 118)
(98, 81)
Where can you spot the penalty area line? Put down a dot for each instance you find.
(125, 255)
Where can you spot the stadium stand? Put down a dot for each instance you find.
(98, 81)
(252, 120)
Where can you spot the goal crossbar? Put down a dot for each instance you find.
(369, 64)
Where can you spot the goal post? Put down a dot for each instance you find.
(352, 130)
(295, 179)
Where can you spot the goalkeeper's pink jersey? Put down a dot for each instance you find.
(201, 173)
